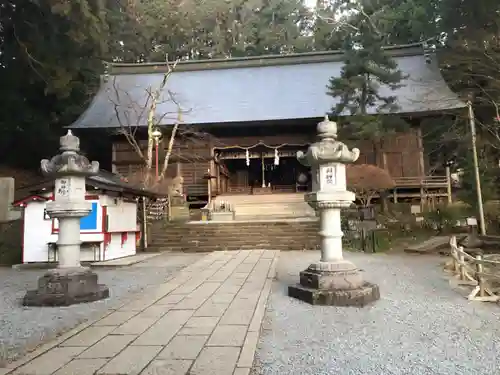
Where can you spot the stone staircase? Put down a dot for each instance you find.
(292, 234)
(268, 206)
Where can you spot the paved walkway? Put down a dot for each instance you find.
(204, 321)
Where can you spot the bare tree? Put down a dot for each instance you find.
(131, 113)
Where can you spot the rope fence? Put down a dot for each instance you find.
(469, 270)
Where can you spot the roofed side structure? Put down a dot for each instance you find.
(103, 180)
(263, 88)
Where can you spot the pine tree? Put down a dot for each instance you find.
(367, 66)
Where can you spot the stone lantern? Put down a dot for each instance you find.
(69, 283)
(332, 280)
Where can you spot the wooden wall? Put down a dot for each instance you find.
(400, 154)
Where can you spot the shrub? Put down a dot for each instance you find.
(367, 180)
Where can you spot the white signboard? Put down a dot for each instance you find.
(471, 221)
(328, 177)
(415, 209)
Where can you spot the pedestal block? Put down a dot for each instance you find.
(334, 283)
(64, 287)
(359, 297)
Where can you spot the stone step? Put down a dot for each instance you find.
(264, 198)
(286, 235)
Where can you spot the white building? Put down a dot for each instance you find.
(110, 231)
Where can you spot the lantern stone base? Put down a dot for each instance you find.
(334, 284)
(64, 287)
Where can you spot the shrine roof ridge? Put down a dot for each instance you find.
(116, 68)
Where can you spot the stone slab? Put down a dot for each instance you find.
(360, 297)
(164, 329)
(260, 310)
(7, 188)
(116, 318)
(168, 367)
(89, 336)
(171, 299)
(242, 371)
(237, 316)
(138, 305)
(135, 326)
(183, 347)
(108, 347)
(248, 350)
(216, 361)
(202, 321)
(222, 297)
(50, 362)
(230, 335)
(155, 311)
(130, 361)
(82, 367)
(211, 309)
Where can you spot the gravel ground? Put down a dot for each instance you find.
(420, 325)
(23, 328)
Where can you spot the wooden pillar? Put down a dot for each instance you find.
(113, 158)
(448, 184)
(421, 152)
(178, 168)
(218, 171)
(422, 196)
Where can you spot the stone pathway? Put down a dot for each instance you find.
(204, 321)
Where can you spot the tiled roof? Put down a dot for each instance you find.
(254, 89)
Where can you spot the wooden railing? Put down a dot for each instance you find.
(469, 270)
(420, 181)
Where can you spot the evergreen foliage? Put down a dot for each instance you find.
(367, 68)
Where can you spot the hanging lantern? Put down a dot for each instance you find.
(276, 157)
(247, 157)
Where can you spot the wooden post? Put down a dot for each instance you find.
(456, 265)
(209, 181)
(169, 208)
(395, 195)
(113, 158)
(144, 228)
(263, 171)
(461, 265)
(479, 278)
(448, 184)
(422, 196)
(218, 171)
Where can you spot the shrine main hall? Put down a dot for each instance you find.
(244, 119)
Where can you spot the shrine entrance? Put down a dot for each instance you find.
(264, 170)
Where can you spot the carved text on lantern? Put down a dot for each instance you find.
(329, 177)
(62, 187)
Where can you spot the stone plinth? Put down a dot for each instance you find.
(333, 280)
(359, 297)
(337, 283)
(64, 287)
